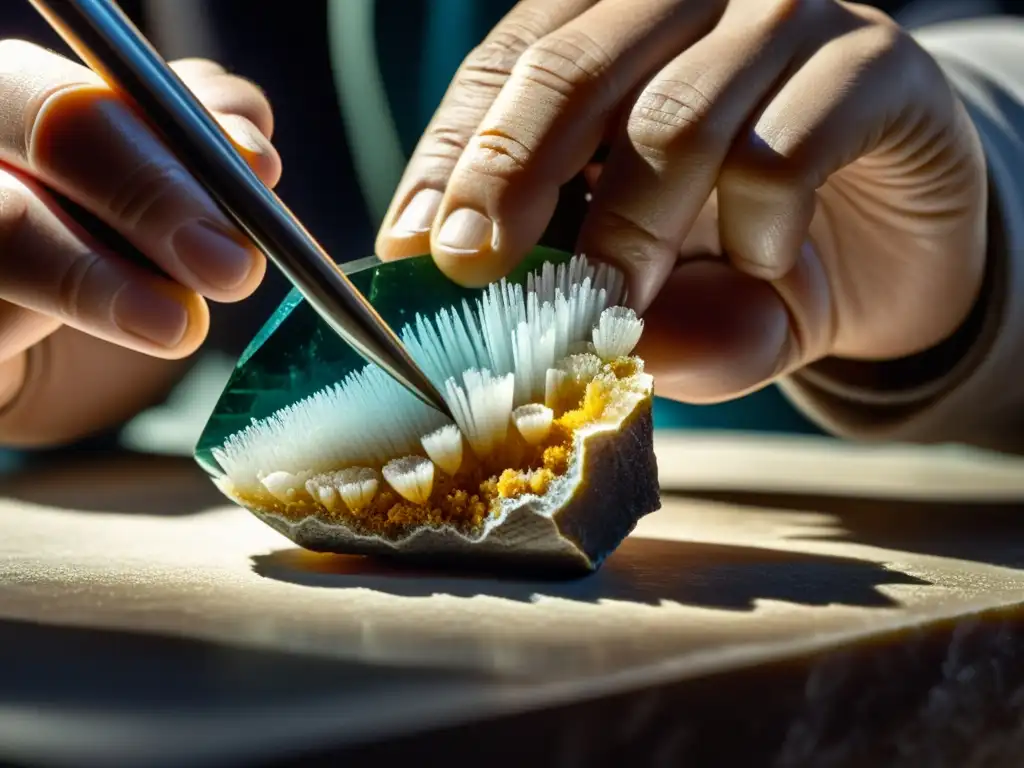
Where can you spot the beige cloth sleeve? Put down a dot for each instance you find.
(977, 397)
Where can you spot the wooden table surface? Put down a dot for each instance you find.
(135, 606)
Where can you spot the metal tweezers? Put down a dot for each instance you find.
(107, 41)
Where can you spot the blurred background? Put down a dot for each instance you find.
(353, 84)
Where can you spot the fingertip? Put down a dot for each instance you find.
(390, 247)
(714, 334)
(482, 233)
(268, 167)
(157, 317)
(406, 232)
(194, 67)
(464, 248)
(472, 271)
(217, 260)
(198, 327)
(197, 312)
(254, 147)
(252, 281)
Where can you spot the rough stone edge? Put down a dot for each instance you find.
(622, 485)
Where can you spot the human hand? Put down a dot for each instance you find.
(62, 129)
(787, 180)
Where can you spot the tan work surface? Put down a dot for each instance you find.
(803, 547)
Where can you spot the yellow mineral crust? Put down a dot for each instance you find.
(475, 493)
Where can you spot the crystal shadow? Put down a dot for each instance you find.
(647, 571)
(977, 531)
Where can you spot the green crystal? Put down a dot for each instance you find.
(296, 354)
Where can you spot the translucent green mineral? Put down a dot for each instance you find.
(548, 466)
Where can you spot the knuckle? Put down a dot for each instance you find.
(770, 163)
(764, 175)
(147, 195)
(476, 82)
(799, 22)
(498, 154)
(256, 89)
(13, 52)
(783, 12)
(483, 73)
(667, 114)
(447, 136)
(444, 142)
(233, 94)
(565, 62)
(486, 68)
(620, 232)
(197, 65)
(500, 51)
(72, 283)
(870, 14)
(895, 48)
(37, 77)
(886, 41)
(474, 90)
(13, 212)
(887, 47)
(242, 86)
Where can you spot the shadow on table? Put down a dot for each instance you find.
(991, 533)
(642, 570)
(114, 483)
(79, 666)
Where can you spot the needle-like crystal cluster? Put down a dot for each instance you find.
(509, 365)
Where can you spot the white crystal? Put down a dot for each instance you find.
(617, 333)
(444, 447)
(481, 407)
(412, 477)
(283, 486)
(533, 422)
(357, 486)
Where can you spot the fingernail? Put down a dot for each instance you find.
(150, 315)
(465, 231)
(419, 214)
(212, 255)
(245, 134)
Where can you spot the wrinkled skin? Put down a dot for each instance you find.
(787, 180)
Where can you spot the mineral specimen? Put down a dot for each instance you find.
(549, 462)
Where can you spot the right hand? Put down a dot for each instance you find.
(787, 183)
(62, 129)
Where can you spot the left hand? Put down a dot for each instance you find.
(787, 180)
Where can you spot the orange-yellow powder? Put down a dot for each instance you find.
(466, 501)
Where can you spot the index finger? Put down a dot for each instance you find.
(546, 124)
(406, 227)
(62, 125)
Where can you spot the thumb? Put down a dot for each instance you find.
(714, 333)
